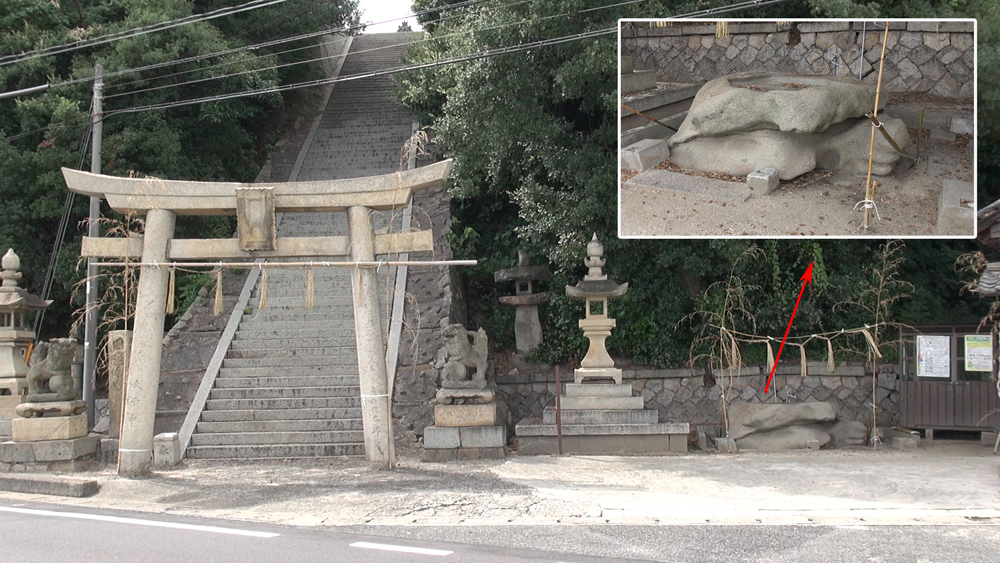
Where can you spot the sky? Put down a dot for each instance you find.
(382, 10)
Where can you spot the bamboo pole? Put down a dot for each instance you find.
(352, 264)
(869, 194)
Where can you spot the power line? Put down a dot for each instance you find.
(293, 63)
(103, 39)
(264, 44)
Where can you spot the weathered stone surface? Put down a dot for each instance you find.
(440, 455)
(454, 416)
(788, 438)
(848, 433)
(49, 485)
(763, 180)
(441, 438)
(166, 449)
(747, 418)
(483, 436)
(598, 389)
(48, 428)
(644, 154)
(447, 396)
(601, 416)
(602, 403)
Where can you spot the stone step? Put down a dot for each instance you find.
(307, 425)
(286, 451)
(282, 415)
(320, 301)
(275, 343)
(529, 429)
(598, 389)
(289, 361)
(285, 392)
(602, 403)
(286, 382)
(303, 314)
(337, 354)
(319, 325)
(277, 438)
(321, 331)
(289, 371)
(275, 404)
(600, 416)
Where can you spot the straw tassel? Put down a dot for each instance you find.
(171, 283)
(871, 343)
(310, 287)
(218, 292)
(831, 364)
(803, 360)
(263, 288)
(770, 356)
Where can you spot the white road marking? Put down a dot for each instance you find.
(403, 548)
(138, 522)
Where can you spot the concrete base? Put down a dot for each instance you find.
(602, 403)
(637, 81)
(438, 438)
(988, 438)
(48, 428)
(600, 416)
(455, 416)
(645, 154)
(604, 445)
(433, 456)
(50, 455)
(954, 217)
(46, 485)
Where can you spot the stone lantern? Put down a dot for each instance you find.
(527, 328)
(15, 334)
(596, 290)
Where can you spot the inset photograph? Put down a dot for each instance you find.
(829, 128)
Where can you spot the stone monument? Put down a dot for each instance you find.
(599, 414)
(527, 328)
(15, 338)
(467, 419)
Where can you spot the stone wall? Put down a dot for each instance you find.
(433, 301)
(933, 57)
(680, 396)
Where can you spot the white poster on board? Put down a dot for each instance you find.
(934, 356)
(978, 352)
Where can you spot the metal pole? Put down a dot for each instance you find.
(93, 230)
(558, 412)
(861, 63)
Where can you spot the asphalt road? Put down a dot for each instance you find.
(36, 532)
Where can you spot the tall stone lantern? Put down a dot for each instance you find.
(596, 290)
(15, 334)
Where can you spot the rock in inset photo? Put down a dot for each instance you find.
(801, 128)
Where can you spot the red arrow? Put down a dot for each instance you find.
(806, 278)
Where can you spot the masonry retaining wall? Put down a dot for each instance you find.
(932, 57)
(682, 396)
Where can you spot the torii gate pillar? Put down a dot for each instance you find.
(135, 450)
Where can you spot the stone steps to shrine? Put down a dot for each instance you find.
(276, 451)
(268, 438)
(304, 321)
(293, 361)
(278, 403)
(283, 415)
(285, 392)
(279, 343)
(257, 372)
(332, 351)
(301, 425)
(322, 331)
(286, 382)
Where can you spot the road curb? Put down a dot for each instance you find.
(49, 485)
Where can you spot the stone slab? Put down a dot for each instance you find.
(433, 456)
(699, 186)
(988, 438)
(481, 396)
(166, 449)
(483, 436)
(600, 445)
(601, 416)
(637, 81)
(598, 389)
(904, 443)
(938, 134)
(8, 403)
(48, 428)
(534, 429)
(5, 425)
(644, 154)
(651, 130)
(626, 65)
(580, 374)
(725, 444)
(961, 124)
(438, 438)
(109, 450)
(49, 485)
(455, 416)
(602, 403)
(954, 217)
(665, 95)
(763, 180)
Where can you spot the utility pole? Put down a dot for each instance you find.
(93, 230)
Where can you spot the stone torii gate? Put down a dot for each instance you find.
(256, 206)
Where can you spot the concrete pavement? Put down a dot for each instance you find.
(943, 483)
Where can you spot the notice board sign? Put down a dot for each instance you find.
(934, 356)
(978, 352)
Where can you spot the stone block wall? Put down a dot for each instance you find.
(682, 396)
(931, 57)
(433, 301)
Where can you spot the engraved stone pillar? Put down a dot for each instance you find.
(119, 350)
(135, 453)
(371, 348)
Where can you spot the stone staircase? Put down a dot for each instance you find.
(289, 386)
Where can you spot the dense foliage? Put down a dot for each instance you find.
(222, 140)
(534, 133)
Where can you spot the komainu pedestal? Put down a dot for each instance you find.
(468, 422)
(599, 414)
